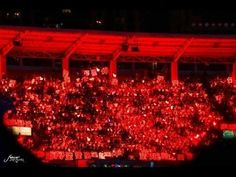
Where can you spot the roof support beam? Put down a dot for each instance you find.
(116, 54)
(66, 58)
(66, 69)
(234, 73)
(181, 51)
(174, 71)
(2, 65)
(7, 48)
(74, 46)
(10, 45)
(4, 51)
(113, 63)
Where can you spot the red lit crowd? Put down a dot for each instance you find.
(224, 94)
(132, 117)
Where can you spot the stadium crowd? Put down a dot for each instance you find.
(132, 117)
(224, 95)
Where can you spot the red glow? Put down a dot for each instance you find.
(149, 116)
(59, 41)
(140, 116)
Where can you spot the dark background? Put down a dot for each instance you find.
(197, 21)
(154, 20)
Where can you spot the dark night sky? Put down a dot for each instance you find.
(141, 20)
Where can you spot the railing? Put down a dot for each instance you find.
(79, 155)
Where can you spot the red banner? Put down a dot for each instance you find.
(94, 72)
(69, 156)
(17, 122)
(78, 155)
(94, 154)
(87, 155)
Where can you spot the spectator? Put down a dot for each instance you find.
(90, 114)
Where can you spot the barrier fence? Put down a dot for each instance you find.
(60, 155)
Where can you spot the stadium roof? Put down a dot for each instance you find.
(103, 46)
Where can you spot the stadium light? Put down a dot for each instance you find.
(99, 22)
(226, 24)
(17, 14)
(135, 49)
(17, 42)
(66, 11)
(206, 24)
(124, 47)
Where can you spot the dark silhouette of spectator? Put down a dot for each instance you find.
(9, 146)
(220, 153)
